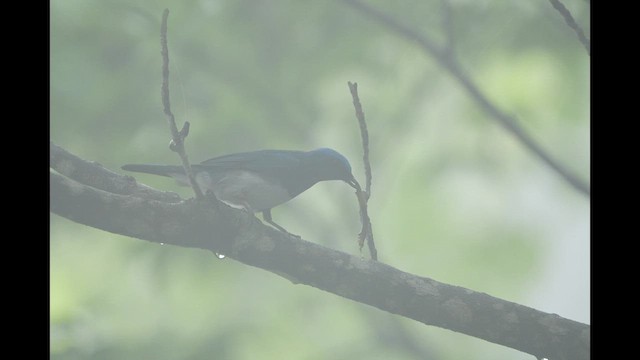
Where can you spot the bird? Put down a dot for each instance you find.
(257, 181)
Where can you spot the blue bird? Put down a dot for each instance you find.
(257, 181)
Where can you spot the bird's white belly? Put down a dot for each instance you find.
(245, 190)
(240, 189)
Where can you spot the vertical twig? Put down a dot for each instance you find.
(363, 196)
(572, 23)
(353, 87)
(177, 143)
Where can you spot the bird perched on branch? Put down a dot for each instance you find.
(257, 181)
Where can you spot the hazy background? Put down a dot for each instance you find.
(455, 197)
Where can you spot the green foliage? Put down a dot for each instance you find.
(455, 198)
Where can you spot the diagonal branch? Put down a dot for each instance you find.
(243, 237)
(572, 24)
(447, 25)
(451, 65)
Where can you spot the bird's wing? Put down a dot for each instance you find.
(255, 160)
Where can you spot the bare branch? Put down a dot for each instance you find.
(363, 197)
(572, 23)
(177, 143)
(353, 88)
(95, 175)
(243, 237)
(507, 121)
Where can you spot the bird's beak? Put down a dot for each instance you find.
(354, 184)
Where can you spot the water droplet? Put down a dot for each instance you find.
(220, 256)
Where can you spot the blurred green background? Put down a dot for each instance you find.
(455, 197)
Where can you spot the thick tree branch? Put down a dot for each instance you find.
(93, 174)
(453, 67)
(243, 237)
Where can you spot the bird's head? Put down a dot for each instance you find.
(329, 164)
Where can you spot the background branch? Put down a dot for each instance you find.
(451, 65)
(447, 25)
(243, 237)
(566, 14)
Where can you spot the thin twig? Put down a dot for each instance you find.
(363, 196)
(507, 121)
(177, 143)
(572, 23)
(353, 87)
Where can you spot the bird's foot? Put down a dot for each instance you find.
(266, 215)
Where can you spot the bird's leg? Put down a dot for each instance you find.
(266, 215)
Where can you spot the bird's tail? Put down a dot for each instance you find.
(162, 170)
